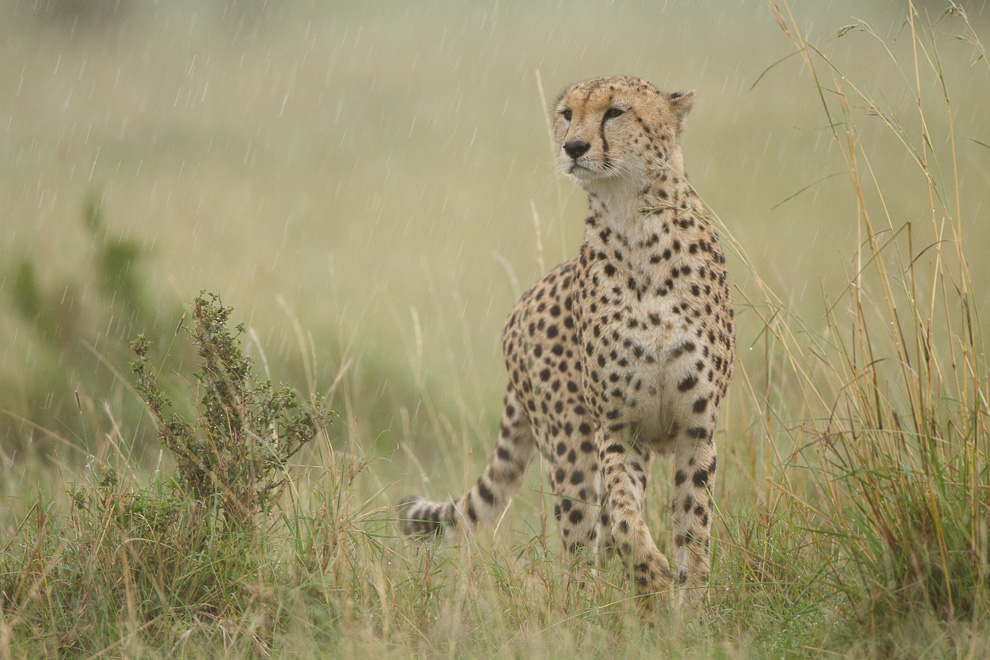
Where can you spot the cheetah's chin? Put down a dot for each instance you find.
(582, 173)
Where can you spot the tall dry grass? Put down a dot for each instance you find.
(885, 496)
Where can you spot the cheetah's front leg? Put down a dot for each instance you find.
(647, 565)
(694, 479)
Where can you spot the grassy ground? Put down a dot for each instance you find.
(371, 187)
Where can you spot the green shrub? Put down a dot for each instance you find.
(191, 545)
(236, 454)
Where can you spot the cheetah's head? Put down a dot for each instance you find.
(618, 130)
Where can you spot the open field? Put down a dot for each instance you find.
(371, 186)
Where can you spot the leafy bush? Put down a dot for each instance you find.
(192, 544)
(236, 453)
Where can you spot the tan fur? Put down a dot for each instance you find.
(619, 354)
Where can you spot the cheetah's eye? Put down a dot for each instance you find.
(612, 113)
(567, 114)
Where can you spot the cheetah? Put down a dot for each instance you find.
(618, 355)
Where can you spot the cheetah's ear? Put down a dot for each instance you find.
(681, 103)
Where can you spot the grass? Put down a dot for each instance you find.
(856, 487)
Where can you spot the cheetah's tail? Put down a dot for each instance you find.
(424, 518)
(484, 502)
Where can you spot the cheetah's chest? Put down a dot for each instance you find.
(624, 335)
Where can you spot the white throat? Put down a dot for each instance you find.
(620, 196)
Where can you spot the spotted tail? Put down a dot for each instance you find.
(491, 493)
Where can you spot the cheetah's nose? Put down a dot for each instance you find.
(576, 148)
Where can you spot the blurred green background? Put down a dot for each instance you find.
(371, 185)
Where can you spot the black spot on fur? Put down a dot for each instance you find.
(485, 493)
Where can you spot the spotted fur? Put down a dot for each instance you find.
(620, 354)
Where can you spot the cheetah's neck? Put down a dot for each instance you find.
(640, 230)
